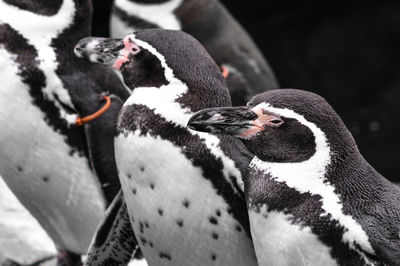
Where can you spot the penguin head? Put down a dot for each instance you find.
(157, 57)
(280, 125)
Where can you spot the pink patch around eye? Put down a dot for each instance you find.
(258, 124)
(129, 48)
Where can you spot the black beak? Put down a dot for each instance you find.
(226, 120)
(99, 50)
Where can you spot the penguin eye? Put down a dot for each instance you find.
(275, 122)
(135, 48)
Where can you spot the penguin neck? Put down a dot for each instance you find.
(176, 101)
(164, 100)
(174, 94)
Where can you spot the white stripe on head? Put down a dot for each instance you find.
(160, 14)
(40, 31)
(119, 28)
(163, 101)
(310, 176)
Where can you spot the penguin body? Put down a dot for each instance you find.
(45, 160)
(210, 23)
(182, 189)
(311, 195)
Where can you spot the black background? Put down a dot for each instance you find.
(348, 52)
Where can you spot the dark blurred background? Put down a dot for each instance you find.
(348, 52)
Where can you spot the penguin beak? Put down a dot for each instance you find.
(236, 121)
(110, 52)
(242, 122)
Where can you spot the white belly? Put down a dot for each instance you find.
(59, 189)
(171, 205)
(278, 242)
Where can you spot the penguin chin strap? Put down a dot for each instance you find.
(74, 119)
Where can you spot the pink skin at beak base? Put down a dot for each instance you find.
(124, 53)
(258, 124)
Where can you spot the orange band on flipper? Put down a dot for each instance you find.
(80, 121)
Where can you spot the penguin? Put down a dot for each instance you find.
(311, 196)
(183, 190)
(64, 174)
(247, 71)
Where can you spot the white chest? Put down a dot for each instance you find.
(279, 242)
(177, 215)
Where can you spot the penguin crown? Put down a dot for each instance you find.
(280, 125)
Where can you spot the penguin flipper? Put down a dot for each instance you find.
(100, 140)
(114, 242)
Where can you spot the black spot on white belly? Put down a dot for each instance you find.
(141, 227)
(186, 203)
(179, 223)
(164, 255)
(213, 220)
(143, 241)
